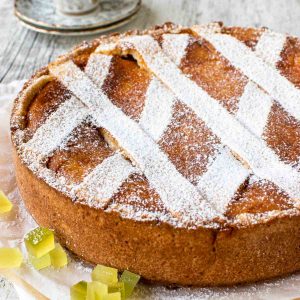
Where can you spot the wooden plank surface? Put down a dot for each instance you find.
(23, 51)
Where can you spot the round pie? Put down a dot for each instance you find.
(171, 152)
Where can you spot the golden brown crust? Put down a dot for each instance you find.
(230, 254)
(80, 156)
(162, 253)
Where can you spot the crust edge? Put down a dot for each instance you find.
(208, 257)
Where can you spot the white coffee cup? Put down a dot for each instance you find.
(76, 7)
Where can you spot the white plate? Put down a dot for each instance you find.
(90, 31)
(43, 14)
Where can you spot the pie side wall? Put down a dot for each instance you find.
(160, 252)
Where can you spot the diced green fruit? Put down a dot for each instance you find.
(58, 256)
(96, 290)
(41, 262)
(113, 296)
(105, 274)
(117, 287)
(39, 241)
(10, 258)
(5, 204)
(130, 281)
(79, 291)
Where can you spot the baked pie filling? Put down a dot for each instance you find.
(172, 152)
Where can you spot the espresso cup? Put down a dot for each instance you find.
(76, 7)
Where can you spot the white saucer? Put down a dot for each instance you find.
(90, 31)
(42, 16)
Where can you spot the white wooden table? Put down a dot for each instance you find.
(23, 51)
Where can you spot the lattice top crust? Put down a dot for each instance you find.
(193, 127)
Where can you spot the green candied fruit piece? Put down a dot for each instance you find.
(58, 256)
(79, 291)
(113, 296)
(5, 204)
(117, 287)
(130, 281)
(105, 274)
(10, 258)
(39, 241)
(41, 262)
(96, 290)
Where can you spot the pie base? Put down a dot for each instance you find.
(158, 251)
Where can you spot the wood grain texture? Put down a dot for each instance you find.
(23, 51)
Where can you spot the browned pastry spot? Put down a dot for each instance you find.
(214, 74)
(289, 65)
(251, 242)
(84, 150)
(45, 102)
(82, 59)
(188, 142)
(126, 85)
(136, 192)
(259, 197)
(282, 133)
(249, 36)
(163, 253)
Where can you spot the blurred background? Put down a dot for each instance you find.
(22, 51)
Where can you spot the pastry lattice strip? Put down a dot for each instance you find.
(225, 175)
(232, 133)
(255, 68)
(145, 123)
(100, 170)
(139, 146)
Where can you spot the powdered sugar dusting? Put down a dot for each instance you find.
(98, 67)
(222, 179)
(56, 128)
(210, 28)
(50, 136)
(255, 105)
(138, 214)
(241, 134)
(157, 112)
(232, 133)
(224, 174)
(265, 75)
(13, 231)
(141, 149)
(99, 186)
(270, 46)
(254, 108)
(175, 46)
